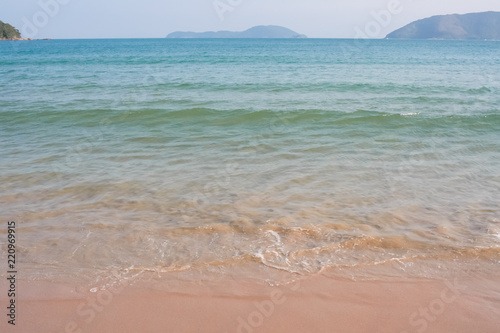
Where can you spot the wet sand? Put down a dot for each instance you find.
(315, 304)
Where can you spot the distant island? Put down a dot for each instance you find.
(474, 26)
(269, 31)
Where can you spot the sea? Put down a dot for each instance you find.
(364, 159)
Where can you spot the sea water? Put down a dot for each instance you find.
(290, 155)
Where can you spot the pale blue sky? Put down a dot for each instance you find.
(157, 18)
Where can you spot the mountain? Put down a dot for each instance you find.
(269, 31)
(479, 26)
(8, 32)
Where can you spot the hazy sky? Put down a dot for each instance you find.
(157, 18)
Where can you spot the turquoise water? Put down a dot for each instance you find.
(293, 155)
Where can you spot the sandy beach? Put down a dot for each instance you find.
(314, 304)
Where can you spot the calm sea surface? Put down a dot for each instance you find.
(290, 155)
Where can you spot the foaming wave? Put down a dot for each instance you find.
(299, 250)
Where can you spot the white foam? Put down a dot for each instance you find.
(276, 235)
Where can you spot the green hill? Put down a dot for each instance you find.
(474, 26)
(8, 32)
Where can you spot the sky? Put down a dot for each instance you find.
(157, 18)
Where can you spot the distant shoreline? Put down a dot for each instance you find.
(22, 39)
(261, 31)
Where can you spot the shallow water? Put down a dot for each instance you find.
(295, 155)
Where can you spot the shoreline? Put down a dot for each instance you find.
(22, 39)
(14, 39)
(314, 304)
